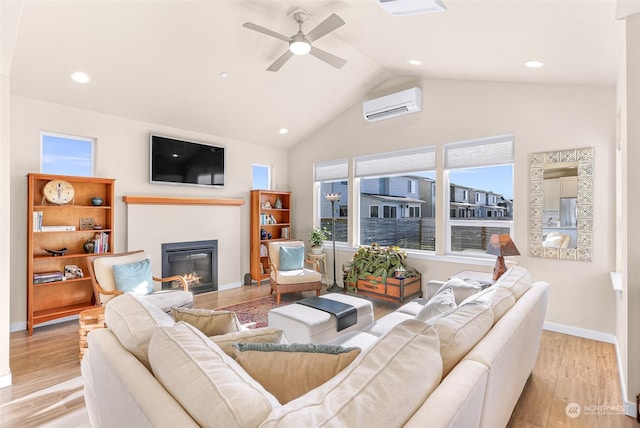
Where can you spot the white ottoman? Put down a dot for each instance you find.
(303, 324)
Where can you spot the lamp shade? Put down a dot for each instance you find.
(502, 245)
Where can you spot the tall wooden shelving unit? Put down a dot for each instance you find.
(273, 220)
(52, 300)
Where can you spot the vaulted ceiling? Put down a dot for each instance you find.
(161, 61)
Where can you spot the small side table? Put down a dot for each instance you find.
(90, 319)
(321, 259)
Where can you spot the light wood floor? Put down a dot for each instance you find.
(46, 389)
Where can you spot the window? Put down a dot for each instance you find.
(261, 177)
(403, 182)
(373, 211)
(66, 155)
(486, 167)
(331, 177)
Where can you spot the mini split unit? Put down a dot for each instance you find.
(392, 105)
(411, 7)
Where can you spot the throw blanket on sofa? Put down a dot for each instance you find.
(346, 315)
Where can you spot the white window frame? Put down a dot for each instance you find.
(332, 171)
(91, 141)
(450, 223)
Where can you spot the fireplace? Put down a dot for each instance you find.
(197, 261)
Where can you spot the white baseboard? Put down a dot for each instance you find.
(580, 332)
(629, 407)
(5, 380)
(229, 286)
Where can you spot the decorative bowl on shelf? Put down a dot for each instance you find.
(59, 252)
(97, 201)
(98, 227)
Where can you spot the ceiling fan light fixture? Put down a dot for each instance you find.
(300, 46)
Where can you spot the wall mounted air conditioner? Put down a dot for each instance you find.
(411, 7)
(392, 105)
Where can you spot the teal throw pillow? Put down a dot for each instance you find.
(134, 278)
(291, 258)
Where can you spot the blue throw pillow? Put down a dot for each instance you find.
(134, 278)
(291, 258)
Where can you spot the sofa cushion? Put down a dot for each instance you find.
(516, 279)
(134, 278)
(289, 371)
(441, 302)
(385, 375)
(386, 323)
(207, 383)
(133, 320)
(210, 322)
(168, 299)
(499, 299)
(460, 330)
(258, 335)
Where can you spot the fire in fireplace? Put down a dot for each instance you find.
(196, 261)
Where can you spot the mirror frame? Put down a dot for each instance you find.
(537, 161)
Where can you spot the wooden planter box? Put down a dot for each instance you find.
(395, 290)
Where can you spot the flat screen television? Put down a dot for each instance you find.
(175, 161)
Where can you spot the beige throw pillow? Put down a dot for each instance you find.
(210, 322)
(258, 335)
(290, 371)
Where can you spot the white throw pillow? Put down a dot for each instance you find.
(462, 289)
(441, 302)
(499, 299)
(133, 320)
(210, 385)
(397, 374)
(516, 279)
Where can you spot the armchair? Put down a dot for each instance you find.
(104, 283)
(291, 280)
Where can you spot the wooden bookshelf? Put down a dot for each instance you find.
(57, 299)
(275, 221)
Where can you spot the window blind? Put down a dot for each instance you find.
(331, 170)
(400, 162)
(479, 153)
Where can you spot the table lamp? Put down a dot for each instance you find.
(501, 245)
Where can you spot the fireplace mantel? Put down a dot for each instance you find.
(162, 200)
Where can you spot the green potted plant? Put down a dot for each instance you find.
(317, 236)
(379, 262)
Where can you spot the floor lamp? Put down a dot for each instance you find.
(333, 198)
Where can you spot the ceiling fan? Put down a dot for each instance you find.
(300, 43)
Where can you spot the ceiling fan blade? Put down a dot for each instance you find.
(337, 62)
(280, 61)
(252, 26)
(325, 27)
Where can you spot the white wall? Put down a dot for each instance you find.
(122, 153)
(543, 118)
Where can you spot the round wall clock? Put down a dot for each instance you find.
(58, 192)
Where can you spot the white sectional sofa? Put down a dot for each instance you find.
(465, 367)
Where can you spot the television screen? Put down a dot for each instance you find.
(186, 162)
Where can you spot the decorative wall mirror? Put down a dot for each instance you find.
(560, 204)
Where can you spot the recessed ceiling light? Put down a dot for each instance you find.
(283, 131)
(80, 77)
(224, 75)
(415, 62)
(533, 64)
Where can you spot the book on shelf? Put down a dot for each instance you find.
(101, 242)
(43, 277)
(37, 221)
(60, 228)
